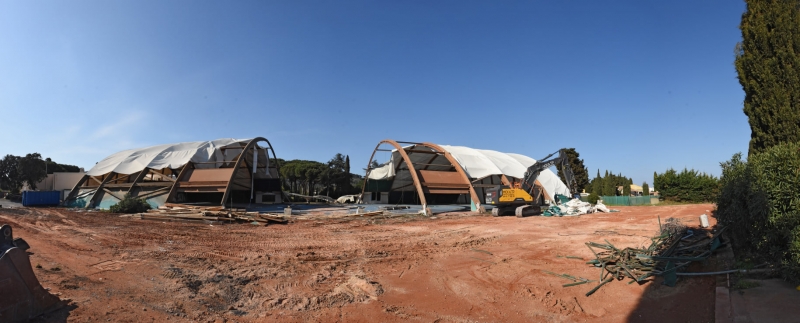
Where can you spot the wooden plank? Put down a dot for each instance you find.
(208, 175)
(445, 191)
(120, 185)
(368, 213)
(160, 191)
(273, 218)
(431, 178)
(445, 185)
(202, 184)
(151, 216)
(120, 178)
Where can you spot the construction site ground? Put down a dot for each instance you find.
(454, 267)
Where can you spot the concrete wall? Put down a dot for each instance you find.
(59, 182)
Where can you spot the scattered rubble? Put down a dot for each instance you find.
(674, 249)
(212, 214)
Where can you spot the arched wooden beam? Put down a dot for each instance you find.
(91, 202)
(411, 169)
(277, 168)
(74, 191)
(458, 168)
(241, 159)
(137, 179)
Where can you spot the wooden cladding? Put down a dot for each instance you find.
(440, 179)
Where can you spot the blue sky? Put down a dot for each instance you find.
(634, 86)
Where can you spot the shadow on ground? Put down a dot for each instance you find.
(59, 315)
(692, 299)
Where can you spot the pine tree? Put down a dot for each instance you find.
(768, 66)
(645, 189)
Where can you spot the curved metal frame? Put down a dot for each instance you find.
(458, 168)
(415, 178)
(144, 171)
(411, 169)
(241, 159)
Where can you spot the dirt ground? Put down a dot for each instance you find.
(458, 267)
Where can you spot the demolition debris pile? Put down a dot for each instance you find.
(178, 212)
(576, 207)
(674, 249)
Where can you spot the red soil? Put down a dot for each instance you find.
(451, 268)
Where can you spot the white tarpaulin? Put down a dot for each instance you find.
(164, 156)
(479, 163)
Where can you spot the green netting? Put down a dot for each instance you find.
(626, 200)
(562, 198)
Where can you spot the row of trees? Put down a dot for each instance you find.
(688, 185)
(607, 185)
(310, 177)
(15, 171)
(601, 186)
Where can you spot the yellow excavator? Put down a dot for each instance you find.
(525, 198)
(22, 298)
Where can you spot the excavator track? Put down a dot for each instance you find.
(527, 210)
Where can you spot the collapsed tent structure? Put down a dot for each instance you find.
(217, 172)
(429, 174)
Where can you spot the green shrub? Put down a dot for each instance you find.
(593, 198)
(686, 186)
(759, 203)
(130, 205)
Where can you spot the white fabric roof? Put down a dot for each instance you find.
(480, 163)
(163, 156)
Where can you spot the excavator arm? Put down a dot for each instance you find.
(525, 198)
(561, 162)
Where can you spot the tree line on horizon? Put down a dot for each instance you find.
(308, 177)
(16, 171)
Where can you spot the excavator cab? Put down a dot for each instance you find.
(22, 298)
(524, 198)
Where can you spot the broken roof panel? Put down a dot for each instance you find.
(477, 163)
(163, 156)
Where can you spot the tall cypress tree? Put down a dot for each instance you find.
(609, 189)
(579, 171)
(597, 184)
(656, 185)
(768, 64)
